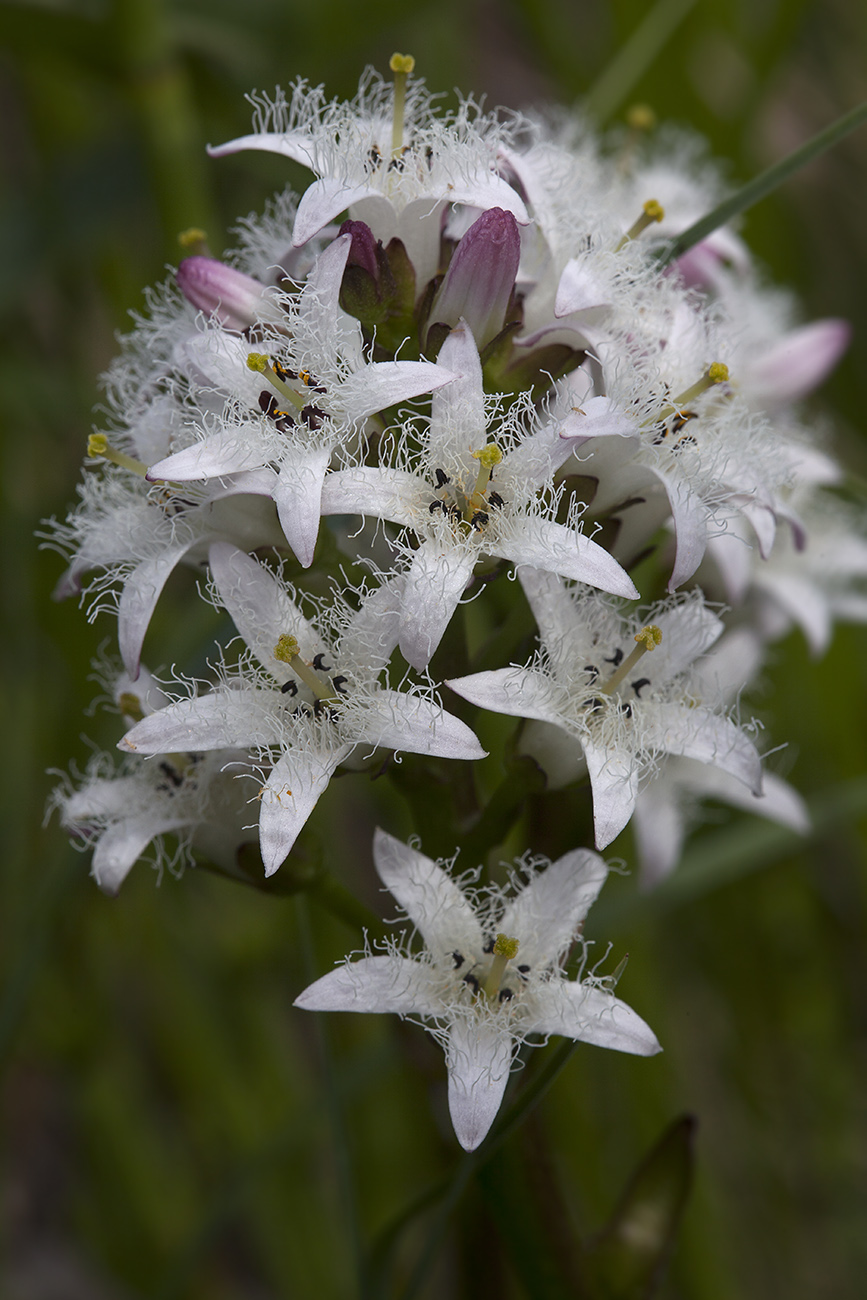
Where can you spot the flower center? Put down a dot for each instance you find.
(326, 690)
(470, 509)
(647, 639)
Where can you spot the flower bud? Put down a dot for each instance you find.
(221, 291)
(481, 277)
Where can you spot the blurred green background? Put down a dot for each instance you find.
(165, 1132)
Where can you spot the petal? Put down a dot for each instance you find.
(121, 846)
(373, 984)
(546, 545)
(297, 145)
(229, 452)
(688, 630)
(298, 495)
(546, 914)
(398, 720)
(614, 780)
(796, 363)
(590, 1015)
(260, 608)
(479, 1057)
(377, 492)
(690, 516)
(321, 202)
(698, 733)
(381, 384)
(435, 582)
(516, 691)
(457, 422)
(437, 907)
(659, 829)
(141, 591)
(220, 720)
(289, 797)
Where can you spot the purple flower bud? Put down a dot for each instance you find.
(362, 250)
(221, 291)
(797, 363)
(481, 277)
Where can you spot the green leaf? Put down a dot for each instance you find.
(626, 1261)
(764, 184)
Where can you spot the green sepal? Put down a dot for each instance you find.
(627, 1259)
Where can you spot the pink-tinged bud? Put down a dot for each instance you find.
(797, 363)
(362, 250)
(221, 291)
(481, 277)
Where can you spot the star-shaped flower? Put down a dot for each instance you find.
(491, 974)
(466, 498)
(618, 704)
(316, 390)
(315, 699)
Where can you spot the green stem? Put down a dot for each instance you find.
(634, 58)
(761, 185)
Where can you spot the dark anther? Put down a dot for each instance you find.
(337, 683)
(681, 419)
(639, 686)
(396, 164)
(626, 710)
(290, 687)
(592, 670)
(441, 477)
(429, 157)
(595, 704)
(374, 157)
(496, 500)
(524, 970)
(320, 707)
(281, 371)
(616, 659)
(312, 416)
(173, 775)
(437, 505)
(269, 406)
(471, 980)
(319, 665)
(506, 995)
(458, 959)
(479, 519)
(489, 946)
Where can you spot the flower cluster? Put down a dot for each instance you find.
(458, 358)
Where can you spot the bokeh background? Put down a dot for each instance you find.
(165, 1122)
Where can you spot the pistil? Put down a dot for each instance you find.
(487, 457)
(258, 361)
(401, 65)
(288, 652)
(505, 949)
(648, 639)
(651, 211)
(99, 445)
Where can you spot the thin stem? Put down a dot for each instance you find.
(764, 184)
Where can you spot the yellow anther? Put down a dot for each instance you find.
(653, 210)
(651, 636)
(286, 649)
(401, 63)
(97, 444)
(718, 373)
(258, 361)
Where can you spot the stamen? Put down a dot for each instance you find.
(716, 373)
(401, 65)
(99, 445)
(287, 651)
(258, 361)
(651, 211)
(648, 639)
(504, 950)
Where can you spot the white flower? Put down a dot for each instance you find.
(490, 975)
(314, 700)
(119, 812)
(399, 187)
(469, 498)
(618, 709)
(322, 390)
